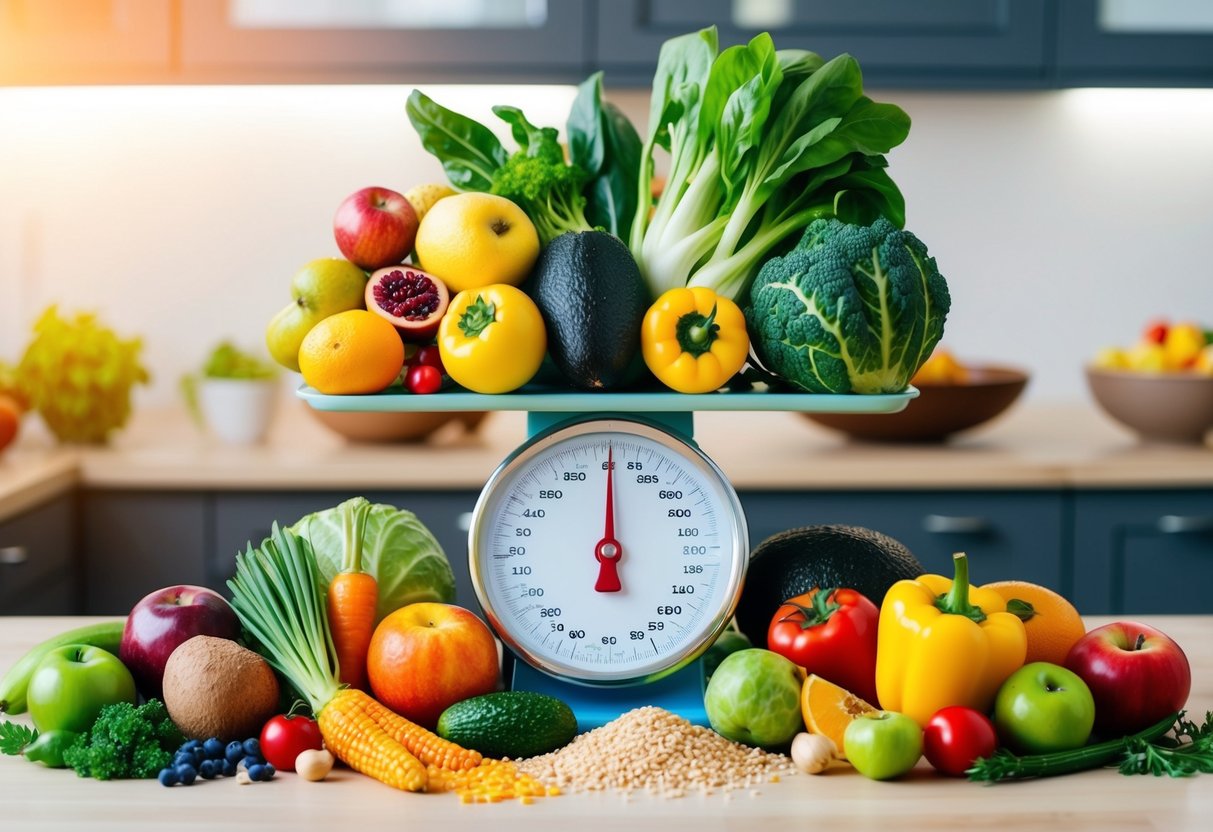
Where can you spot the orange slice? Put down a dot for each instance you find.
(829, 709)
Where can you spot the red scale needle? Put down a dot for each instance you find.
(608, 551)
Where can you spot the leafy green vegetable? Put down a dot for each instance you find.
(397, 549)
(605, 144)
(126, 742)
(14, 737)
(470, 153)
(538, 179)
(761, 143)
(229, 361)
(1188, 752)
(851, 309)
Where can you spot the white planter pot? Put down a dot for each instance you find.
(238, 411)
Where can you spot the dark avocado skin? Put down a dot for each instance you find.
(793, 562)
(593, 299)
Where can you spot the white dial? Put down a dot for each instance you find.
(608, 552)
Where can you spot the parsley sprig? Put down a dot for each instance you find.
(1186, 751)
(14, 737)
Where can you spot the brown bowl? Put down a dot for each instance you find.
(1162, 407)
(939, 411)
(392, 427)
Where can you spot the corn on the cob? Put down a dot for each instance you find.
(356, 738)
(426, 746)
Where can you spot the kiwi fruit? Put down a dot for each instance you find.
(213, 687)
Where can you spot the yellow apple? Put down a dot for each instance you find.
(321, 288)
(472, 240)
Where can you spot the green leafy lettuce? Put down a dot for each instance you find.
(397, 549)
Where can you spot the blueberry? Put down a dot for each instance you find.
(168, 777)
(208, 769)
(189, 745)
(252, 747)
(256, 772)
(270, 771)
(229, 768)
(182, 758)
(187, 774)
(234, 752)
(213, 748)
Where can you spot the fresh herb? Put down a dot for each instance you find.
(1189, 751)
(761, 143)
(1007, 766)
(126, 742)
(14, 737)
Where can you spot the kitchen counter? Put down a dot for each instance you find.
(37, 798)
(1031, 447)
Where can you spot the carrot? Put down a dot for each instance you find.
(352, 597)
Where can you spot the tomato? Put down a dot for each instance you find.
(492, 339)
(1155, 332)
(423, 379)
(956, 736)
(286, 736)
(428, 355)
(831, 633)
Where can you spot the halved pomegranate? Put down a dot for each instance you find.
(413, 301)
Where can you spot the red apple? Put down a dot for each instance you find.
(164, 619)
(1136, 674)
(375, 227)
(426, 657)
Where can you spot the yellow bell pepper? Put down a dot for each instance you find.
(941, 642)
(693, 340)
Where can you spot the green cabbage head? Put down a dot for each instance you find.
(851, 309)
(407, 561)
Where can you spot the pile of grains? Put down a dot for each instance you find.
(490, 782)
(653, 750)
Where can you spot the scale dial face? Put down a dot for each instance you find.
(608, 590)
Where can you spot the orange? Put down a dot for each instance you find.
(828, 709)
(1051, 622)
(351, 352)
(10, 420)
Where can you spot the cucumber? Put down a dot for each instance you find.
(107, 635)
(514, 724)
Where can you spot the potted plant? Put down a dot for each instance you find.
(234, 396)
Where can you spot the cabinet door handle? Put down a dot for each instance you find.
(1181, 524)
(13, 555)
(949, 524)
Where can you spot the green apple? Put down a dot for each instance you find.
(883, 744)
(321, 288)
(754, 698)
(73, 683)
(1043, 707)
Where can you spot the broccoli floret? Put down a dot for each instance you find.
(851, 309)
(540, 181)
(126, 742)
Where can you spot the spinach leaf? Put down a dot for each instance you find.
(469, 152)
(603, 141)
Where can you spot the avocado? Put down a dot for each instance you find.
(512, 723)
(793, 562)
(593, 299)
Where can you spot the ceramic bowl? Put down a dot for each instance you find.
(1160, 407)
(392, 427)
(939, 411)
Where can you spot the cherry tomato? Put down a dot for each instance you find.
(428, 355)
(424, 379)
(1155, 332)
(956, 736)
(286, 736)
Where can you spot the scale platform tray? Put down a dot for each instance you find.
(555, 400)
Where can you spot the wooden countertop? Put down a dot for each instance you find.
(34, 797)
(1033, 446)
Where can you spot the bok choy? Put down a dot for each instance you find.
(761, 143)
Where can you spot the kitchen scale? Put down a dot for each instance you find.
(608, 551)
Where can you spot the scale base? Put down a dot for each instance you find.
(680, 693)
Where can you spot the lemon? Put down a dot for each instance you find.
(423, 197)
(472, 240)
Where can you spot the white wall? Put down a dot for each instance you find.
(1061, 220)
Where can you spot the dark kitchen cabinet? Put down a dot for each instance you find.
(37, 568)
(510, 41)
(84, 41)
(927, 43)
(134, 542)
(1143, 551)
(1007, 534)
(1134, 43)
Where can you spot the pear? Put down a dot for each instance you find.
(321, 288)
